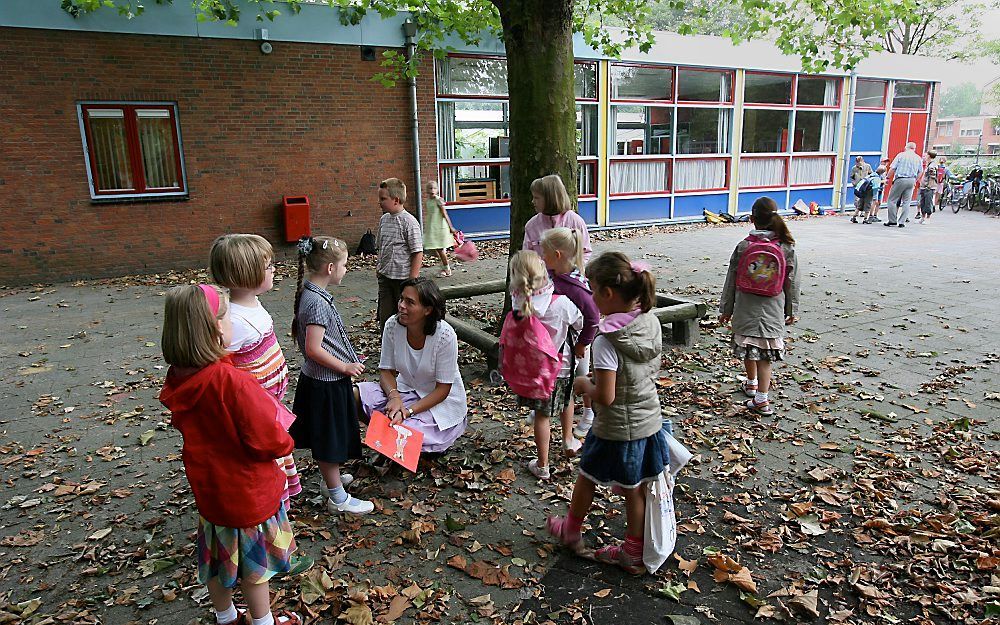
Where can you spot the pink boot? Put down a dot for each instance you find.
(559, 528)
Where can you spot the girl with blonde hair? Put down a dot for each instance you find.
(554, 210)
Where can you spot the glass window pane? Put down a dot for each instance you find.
(815, 131)
(112, 168)
(586, 129)
(472, 76)
(870, 93)
(156, 141)
(468, 130)
(704, 86)
(814, 91)
(767, 88)
(587, 178)
(765, 131)
(910, 95)
(697, 174)
(762, 172)
(585, 80)
(639, 176)
(475, 183)
(629, 82)
(642, 129)
(811, 171)
(703, 131)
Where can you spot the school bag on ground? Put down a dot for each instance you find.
(367, 244)
(529, 361)
(862, 187)
(761, 268)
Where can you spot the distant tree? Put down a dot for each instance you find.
(704, 17)
(961, 100)
(939, 28)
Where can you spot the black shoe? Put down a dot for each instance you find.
(888, 224)
(868, 221)
(876, 220)
(902, 225)
(854, 220)
(907, 220)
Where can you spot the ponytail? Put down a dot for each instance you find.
(298, 290)
(527, 273)
(780, 229)
(764, 215)
(632, 280)
(647, 289)
(527, 310)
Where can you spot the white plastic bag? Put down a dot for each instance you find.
(679, 454)
(660, 531)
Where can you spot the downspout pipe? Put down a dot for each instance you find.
(852, 88)
(410, 33)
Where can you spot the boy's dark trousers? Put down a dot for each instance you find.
(389, 290)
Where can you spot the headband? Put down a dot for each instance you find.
(212, 297)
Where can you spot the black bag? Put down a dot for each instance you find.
(367, 244)
(863, 187)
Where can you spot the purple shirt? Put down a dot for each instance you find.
(573, 286)
(537, 225)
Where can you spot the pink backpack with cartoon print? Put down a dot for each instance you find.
(761, 269)
(529, 361)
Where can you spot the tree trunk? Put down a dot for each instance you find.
(538, 36)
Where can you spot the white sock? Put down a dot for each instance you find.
(268, 619)
(227, 616)
(759, 397)
(588, 414)
(752, 381)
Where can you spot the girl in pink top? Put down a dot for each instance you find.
(548, 195)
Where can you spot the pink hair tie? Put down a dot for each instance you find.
(212, 296)
(638, 266)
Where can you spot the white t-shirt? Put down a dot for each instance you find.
(603, 354)
(250, 324)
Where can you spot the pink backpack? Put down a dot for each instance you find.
(761, 269)
(529, 360)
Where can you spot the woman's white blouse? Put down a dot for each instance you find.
(422, 370)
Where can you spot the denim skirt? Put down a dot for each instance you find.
(625, 463)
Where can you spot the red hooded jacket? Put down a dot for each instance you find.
(231, 440)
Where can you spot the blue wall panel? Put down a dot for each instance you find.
(588, 210)
(478, 219)
(693, 205)
(639, 209)
(747, 198)
(867, 133)
(823, 197)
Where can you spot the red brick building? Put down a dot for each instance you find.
(967, 134)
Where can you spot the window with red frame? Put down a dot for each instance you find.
(132, 149)
(870, 94)
(910, 95)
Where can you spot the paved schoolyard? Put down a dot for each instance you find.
(867, 499)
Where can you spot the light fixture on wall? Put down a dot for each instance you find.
(260, 34)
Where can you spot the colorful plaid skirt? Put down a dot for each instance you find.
(254, 554)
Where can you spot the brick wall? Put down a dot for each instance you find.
(304, 120)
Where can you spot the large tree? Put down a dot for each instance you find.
(961, 100)
(538, 37)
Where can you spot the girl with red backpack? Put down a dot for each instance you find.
(761, 297)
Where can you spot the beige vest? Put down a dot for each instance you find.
(635, 412)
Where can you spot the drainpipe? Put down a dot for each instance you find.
(852, 87)
(409, 33)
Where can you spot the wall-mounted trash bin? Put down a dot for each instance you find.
(295, 212)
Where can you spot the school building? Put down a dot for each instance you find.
(129, 145)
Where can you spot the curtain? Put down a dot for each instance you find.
(639, 176)
(828, 132)
(810, 171)
(724, 119)
(446, 148)
(762, 172)
(830, 93)
(585, 179)
(107, 132)
(690, 175)
(156, 142)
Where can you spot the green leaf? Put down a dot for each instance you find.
(673, 591)
(680, 619)
(453, 524)
(146, 436)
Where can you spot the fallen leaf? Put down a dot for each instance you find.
(603, 593)
(357, 614)
(99, 534)
(806, 604)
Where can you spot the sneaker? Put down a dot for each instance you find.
(869, 220)
(876, 220)
(530, 419)
(571, 446)
(557, 527)
(615, 554)
(854, 220)
(889, 224)
(583, 427)
(903, 225)
(350, 506)
(541, 473)
(763, 408)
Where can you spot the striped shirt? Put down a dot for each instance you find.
(907, 164)
(255, 348)
(316, 307)
(398, 238)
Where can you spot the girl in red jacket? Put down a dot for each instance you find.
(232, 437)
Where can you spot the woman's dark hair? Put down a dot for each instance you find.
(764, 215)
(429, 296)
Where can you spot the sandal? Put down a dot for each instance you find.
(558, 526)
(749, 389)
(444, 273)
(763, 408)
(615, 554)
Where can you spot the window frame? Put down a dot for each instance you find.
(707, 103)
(773, 155)
(662, 67)
(810, 155)
(772, 105)
(927, 96)
(726, 158)
(133, 147)
(885, 95)
(669, 159)
(829, 107)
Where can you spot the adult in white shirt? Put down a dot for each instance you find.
(420, 385)
(905, 168)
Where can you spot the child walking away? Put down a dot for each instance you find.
(231, 441)
(877, 180)
(562, 251)
(537, 353)
(324, 398)
(551, 202)
(400, 247)
(243, 264)
(761, 297)
(438, 230)
(628, 445)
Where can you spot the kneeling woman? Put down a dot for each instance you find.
(419, 383)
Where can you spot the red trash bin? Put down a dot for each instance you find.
(295, 212)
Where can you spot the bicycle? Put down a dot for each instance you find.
(959, 195)
(949, 194)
